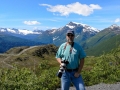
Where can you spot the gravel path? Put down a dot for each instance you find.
(101, 86)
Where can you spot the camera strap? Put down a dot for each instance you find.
(70, 48)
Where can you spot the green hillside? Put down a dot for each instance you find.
(104, 47)
(30, 57)
(98, 38)
(7, 42)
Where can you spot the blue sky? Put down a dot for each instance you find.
(48, 14)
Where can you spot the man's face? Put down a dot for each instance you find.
(70, 37)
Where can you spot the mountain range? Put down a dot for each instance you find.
(87, 36)
(55, 36)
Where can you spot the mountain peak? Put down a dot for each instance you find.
(114, 26)
(72, 25)
(75, 23)
(85, 27)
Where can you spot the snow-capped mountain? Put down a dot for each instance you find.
(83, 32)
(54, 35)
(74, 25)
(86, 28)
(71, 25)
(18, 31)
(57, 36)
(114, 26)
(22, 33)
(104, 35)
(114, 29)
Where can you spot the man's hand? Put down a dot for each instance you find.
(59, 60)
(77, 74)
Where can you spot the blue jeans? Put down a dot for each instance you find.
(68, 77)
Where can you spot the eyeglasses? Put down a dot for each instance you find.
(70, 35)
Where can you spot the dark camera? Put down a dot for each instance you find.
(62, 68)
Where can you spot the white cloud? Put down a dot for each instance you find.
(117, 20)
(77, 8)
(31, 22)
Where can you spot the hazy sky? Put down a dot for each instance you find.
(48, 14)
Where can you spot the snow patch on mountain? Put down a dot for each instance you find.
(53, 31)
(114, 26)
(71, 27)
(2, 30)
(54, 38)
(76, 23)
(10, 30)
(25, 32)
(86, 28)
(77, 36)
(80, 24)
(91, 29)
(18, 31)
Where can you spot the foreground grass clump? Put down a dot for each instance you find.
(103, 69)
(25, 79)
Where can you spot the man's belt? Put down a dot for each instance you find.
(70, 70)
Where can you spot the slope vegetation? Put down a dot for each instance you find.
(29, 56)
(104, 46)
(7, 42)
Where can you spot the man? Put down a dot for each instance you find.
(74, 54)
